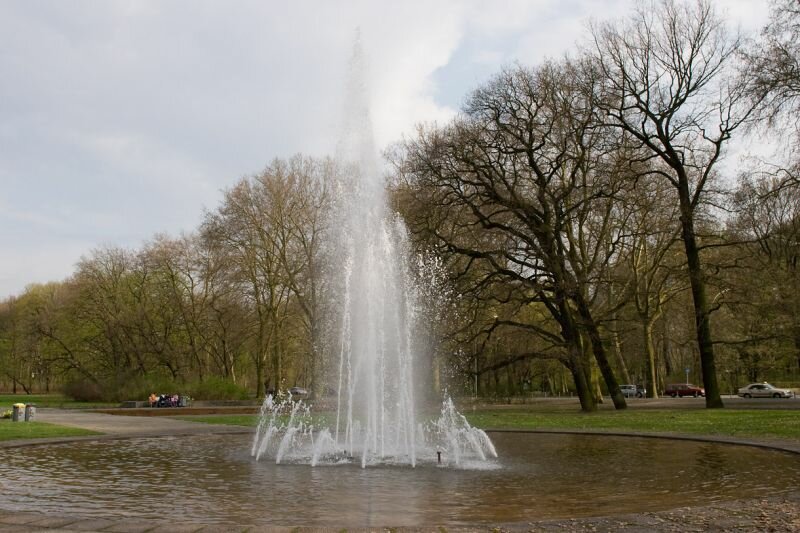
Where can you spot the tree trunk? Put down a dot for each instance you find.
(318, 383)
(701, 313)
(666, 350)
(594, 374)
(650, 359)
(259, 379)
(600, 356)
(623, 366)
(598, 390)
(582, 387)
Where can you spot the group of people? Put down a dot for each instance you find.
(165, 400)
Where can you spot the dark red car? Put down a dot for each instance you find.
(684, 389)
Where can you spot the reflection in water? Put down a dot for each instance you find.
(212, 479)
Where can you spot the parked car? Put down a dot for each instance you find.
(632, 391)
(298, 392)
(679, 390)
(764, 390)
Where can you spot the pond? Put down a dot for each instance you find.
(212, 479)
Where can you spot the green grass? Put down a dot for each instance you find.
(49, 400)
(784, 424)
(228, 420)
(320, 419)
(37, 430)
(733, 423)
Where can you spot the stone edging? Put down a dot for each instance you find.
(783, 447)
(241, 430)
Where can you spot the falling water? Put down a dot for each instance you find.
(376, 417)
(375, 413)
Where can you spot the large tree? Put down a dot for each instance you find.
(764, 294)
(666, 86)
(522, 187)
(267, 233)
(772, 65)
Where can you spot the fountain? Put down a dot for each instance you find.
(376, 413)
(287, 433)
(377, 421)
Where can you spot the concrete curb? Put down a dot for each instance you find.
(777, 446)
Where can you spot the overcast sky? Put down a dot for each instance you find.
(122, 119)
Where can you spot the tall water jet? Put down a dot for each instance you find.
(376, 304)
(376, 412)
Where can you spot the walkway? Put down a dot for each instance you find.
(115, 427)
(129, 426)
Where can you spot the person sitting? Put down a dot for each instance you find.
(153, 399)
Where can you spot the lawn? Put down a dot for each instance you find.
(228, 420)
(49, 400)
(783, 424)
(37, 430)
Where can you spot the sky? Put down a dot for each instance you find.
(121, 119)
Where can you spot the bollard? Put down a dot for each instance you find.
(17, 412)
(30, 412)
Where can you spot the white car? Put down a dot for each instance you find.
(632, 391)
(764, 390)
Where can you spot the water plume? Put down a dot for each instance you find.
(376, 419)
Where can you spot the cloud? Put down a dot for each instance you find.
(125, 118)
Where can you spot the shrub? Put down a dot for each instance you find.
(83, 390)
(140, 387)
(215, 388)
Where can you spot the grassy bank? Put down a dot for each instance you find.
(37, 430)
(49, 400)
(732, 423)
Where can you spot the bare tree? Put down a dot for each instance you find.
(528, 197)
(665, 85)
(242, 231)
(768, 223)
(655, 273)
(300, 222)
(772, 65)
(268, 233)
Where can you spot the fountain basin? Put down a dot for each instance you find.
(212, 479)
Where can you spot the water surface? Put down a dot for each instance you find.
(213, 479)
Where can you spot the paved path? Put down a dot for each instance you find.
(115, 427)
(129, 426)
